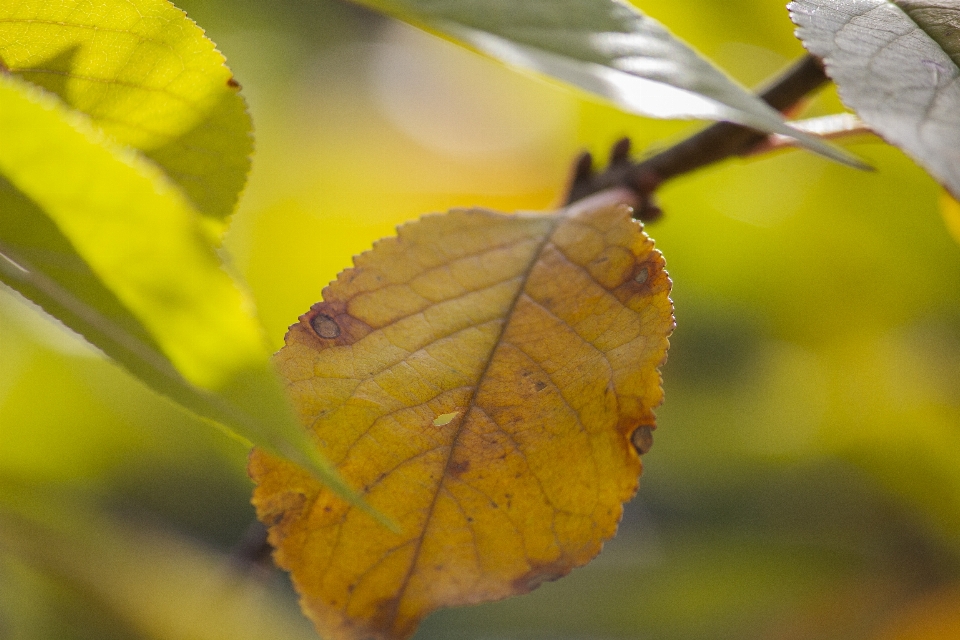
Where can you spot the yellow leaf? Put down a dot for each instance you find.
(950, 209)
(479, 378)
(147, 76)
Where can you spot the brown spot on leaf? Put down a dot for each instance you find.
(232, 83)
(325, 326)
(385, 617)
(646, 279)
(540, 386)
(642, 438)
(459, 468)
(285, 506)
(538, 575)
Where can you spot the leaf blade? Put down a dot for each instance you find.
(462, 376)
(896, 64)
(149, 78)
(104, 193)
(116, 252)
(605, 47)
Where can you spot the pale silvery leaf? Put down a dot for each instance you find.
(897, 63)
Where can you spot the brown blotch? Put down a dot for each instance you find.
(282, 508)
(232, 83)
(645, 279)
(540, 574)
(540, 386)
(325, 326)
(385, 618)
(642, 438)
(457, 469)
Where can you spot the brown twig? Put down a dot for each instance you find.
(717, 142)
(253, 550)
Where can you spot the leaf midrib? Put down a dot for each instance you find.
(535, 257)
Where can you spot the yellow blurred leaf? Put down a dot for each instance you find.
(486, 381)
(950, 209)
(148, 581)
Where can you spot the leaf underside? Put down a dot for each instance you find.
(898, 65)
(479, 379)
(608, 48)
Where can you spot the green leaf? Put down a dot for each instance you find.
(136, 231)
(897, 64)
(606, 47)
(148, 77)
(103, 240)
(114, 197)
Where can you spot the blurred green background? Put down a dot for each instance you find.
(805, 481)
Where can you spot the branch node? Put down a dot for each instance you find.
(717, 142)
